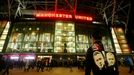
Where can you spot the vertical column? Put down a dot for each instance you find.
(4, 35)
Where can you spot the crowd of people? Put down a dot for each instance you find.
(39, 65)
(45, 64)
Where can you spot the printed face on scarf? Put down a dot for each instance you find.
(110, 58)
(98, 59)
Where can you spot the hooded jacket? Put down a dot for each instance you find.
(100, 62)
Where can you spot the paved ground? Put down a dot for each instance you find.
(62, 71)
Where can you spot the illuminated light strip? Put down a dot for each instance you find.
(60, 15)
(14, 57)
(29, 57)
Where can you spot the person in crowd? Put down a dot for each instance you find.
(50, 64)
(2, 64)
(26, 67)
(69, 64)
(81, 63)
(130, 63)
(38, 64)
(7, 66)
(41, 65)
(78, 63)
(48, 61)
(33, 63)
(98, 60)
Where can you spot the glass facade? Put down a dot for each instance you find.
(82, 43)
(31, 37)
(49, 37)
(64, 37)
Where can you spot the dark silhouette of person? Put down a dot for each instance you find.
(98, 60)
(65, 46)
(7, 66)
(130, 63)
(39, 65)
(69, 64)
(2, 63)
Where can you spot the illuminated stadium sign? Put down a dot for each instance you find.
(63, 16)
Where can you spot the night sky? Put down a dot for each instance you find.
(130, 31)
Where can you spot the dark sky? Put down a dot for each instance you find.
(130, 31)
(131, 17)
